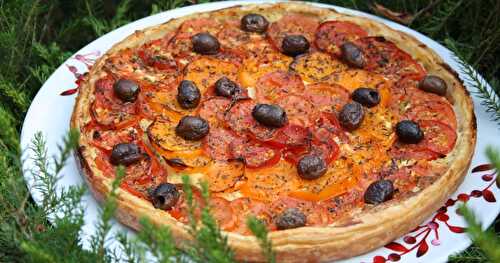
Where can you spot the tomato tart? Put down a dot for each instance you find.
(339, 133)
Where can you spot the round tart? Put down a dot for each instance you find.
(336, 131)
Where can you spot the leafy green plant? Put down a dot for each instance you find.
(37, 36)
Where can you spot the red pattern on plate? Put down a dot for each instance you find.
(418, 238)
(88, 60)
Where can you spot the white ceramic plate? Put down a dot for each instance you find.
(436, 239)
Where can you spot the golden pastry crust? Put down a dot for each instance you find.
(367, 229)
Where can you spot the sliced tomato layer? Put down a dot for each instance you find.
(275, 85)
(205, 71)
(439, 139)
(239, 118)
(261, 63)
(327, 97)
(223, 175)
(213, 110)
(244, 208)
(383, 56)
(232, 36)
(317, 66)
(327, 149)
(162, 133)
(292, 24)
(332, 34)
(290, 136)
(299, 109)
(223, 213)
(216, 143)
(255, 154)
(108, 110)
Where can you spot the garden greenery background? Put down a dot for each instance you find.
(37, 36)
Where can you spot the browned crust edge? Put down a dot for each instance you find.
(377, 226)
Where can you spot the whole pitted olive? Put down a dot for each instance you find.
(409, 132)
(192, 128)
(126, 154)
(205, 44)
(311, 167)
(126, 90)
(290, 218)
(226, 88)
(353, 55)
(254, 23)
(270, 115)
(433, 84)
(379, 192)
(188, 95)
(165, 196)
(368, 97)
(294, 45)
(351, 116)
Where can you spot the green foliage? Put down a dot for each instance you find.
(259, 230)
(37, 36)
(209, 244)
(487, 241)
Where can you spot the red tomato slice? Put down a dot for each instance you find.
(254, 154)
(327, 97)
(222, 213)
(328, 149)
(181, 45)
(245, 207)
(383, 56)
(433, 110)
(232, 36)
(275, 85)
(438, 137)
(332, 34)
(216, 143)
(298, 109)
(401, 151)
(326, 127)
(240, 120)
(289, 136)
(107, 139)
(109, 111)
(292, 24)
(213, 110)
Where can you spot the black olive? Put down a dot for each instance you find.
(188, 95)
(126, 154)
(126, 90)
(206, 44)
(290, 218)
(368, 97)
(353, 55)
(311, 167)
(351, 116)
(294, 45)
(192, 128)
(409, 132)
(254, 23)
(270, 115)
(165, 196)
(379, 192)
(226, 88)
(433, 84)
